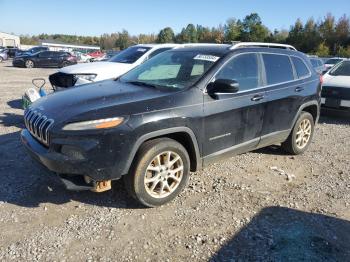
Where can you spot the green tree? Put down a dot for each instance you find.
(342, 30)
(327, 32)
(311, 37)
(188, 35)
(295, 37)
(166, 35)
(123, 40)
(322, 50)
(233, 29)
(344, 52)
(253, 30)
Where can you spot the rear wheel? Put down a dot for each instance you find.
(160, 172)
(1, 59)
(29, 64)
(64, 64)
(301, 135)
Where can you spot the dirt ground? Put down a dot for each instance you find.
(241, 209)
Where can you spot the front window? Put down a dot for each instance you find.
(130, 55)
(172, 69)
(342, 69)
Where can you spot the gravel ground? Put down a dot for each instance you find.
(261, 206)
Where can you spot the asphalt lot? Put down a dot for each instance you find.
(240, 209)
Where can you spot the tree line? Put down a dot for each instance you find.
(327, 37)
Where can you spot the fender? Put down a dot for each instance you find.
(159, 133)
(301, 108)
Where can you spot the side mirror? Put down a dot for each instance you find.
(227, 86)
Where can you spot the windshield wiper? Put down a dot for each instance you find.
(139, 83)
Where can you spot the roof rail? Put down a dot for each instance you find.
(260, 44)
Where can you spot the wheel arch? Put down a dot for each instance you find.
(312, 107)
(183, 135)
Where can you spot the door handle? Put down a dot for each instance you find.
(257, 98)
(299, 89)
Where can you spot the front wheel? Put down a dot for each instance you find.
(160, 172)
(301, 135)
(1, 59)
(29, 64)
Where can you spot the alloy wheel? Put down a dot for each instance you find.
(303, 133)
(163, 174)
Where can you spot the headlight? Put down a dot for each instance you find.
(89, 77)
(95, 124)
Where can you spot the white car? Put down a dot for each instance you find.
(336, 86)
(119, 64)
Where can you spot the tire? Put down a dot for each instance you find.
(29, 64)
(64, 64)
(163, 185)
(300, 137)
(1, 59)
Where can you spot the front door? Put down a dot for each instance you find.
(233, 122)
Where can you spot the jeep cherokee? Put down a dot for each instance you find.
(174, 114)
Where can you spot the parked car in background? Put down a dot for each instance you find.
(45, 59)
(12, 52)
(336, 87)
(177, 112)
(116, 66)
(83, 58)
(329, 63)
(317, 64)
(3, 55)
(32, 50)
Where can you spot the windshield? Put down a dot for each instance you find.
(172, 69)
(342, 69)
(130, 55)
(333, 61)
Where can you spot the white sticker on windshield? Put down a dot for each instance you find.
(141, 50)
(210, 58)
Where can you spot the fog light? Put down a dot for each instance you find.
(72, 152)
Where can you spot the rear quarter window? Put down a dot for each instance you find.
(278, 68)
(300, 67)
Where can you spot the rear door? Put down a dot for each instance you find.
(233, 122)
(44, 58)
(285, 91)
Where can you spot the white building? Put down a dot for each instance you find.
(9, 40)
(57, 46)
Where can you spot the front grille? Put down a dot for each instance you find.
(62, 80)
(38, 125)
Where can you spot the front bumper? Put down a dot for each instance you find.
(63, 164)
(18, 63)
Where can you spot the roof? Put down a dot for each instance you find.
(58, 43)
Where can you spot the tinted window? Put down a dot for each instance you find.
(300, 67)
(314, 62)
(243, 69)
(341, 70)
(158, 51)
(333, 61)
(130, 55)
(278, 68)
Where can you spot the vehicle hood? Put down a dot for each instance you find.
(336, 81)
(104, 70)
(99, 100)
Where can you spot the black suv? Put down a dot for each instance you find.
(176, 113)
(45, 59)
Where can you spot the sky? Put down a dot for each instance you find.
(95, 17)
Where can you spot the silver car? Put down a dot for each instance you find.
(3, 55)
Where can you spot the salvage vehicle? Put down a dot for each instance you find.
(336, 87)
(116, 66)
(175, 113)
(45, 59)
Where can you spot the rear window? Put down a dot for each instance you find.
(341, 70)
(300, 67)
(278, 68)
(314, 62)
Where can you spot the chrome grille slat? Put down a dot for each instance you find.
(38, 125)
